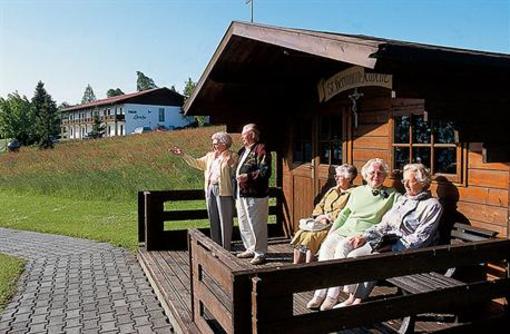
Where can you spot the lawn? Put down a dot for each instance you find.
(10, 270)
(107, 221)
(88, 189)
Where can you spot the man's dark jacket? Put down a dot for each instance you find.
(257, 166)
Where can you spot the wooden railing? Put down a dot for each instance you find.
(261, 299)
(152, 217)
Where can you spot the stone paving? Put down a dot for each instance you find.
(74, 285)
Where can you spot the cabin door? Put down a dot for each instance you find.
(319, 143)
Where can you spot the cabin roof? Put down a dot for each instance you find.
(143, 96)
(257, 53)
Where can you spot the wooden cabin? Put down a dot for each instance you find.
(322, 99)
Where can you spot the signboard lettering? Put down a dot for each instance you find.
(350, 78)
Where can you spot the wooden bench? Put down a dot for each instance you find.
(263, 299)
(433, 281)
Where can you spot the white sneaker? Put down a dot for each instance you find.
(258, 259)
(246, 254)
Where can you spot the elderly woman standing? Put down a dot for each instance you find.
(412, 223)
(218, 166)
(307, 241)
(365, 208)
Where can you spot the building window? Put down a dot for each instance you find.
(330, 140)
(432, 143)
(161, 114)
(302, 142)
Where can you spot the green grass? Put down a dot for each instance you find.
(111, 169)
(88, 189)
(112, 222)
(10, 270)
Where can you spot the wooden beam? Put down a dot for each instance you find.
(355, 51)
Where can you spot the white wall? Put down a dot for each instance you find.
(142, 115)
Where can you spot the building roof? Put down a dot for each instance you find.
(160, 96)
(263, 53)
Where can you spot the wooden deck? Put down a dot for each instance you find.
(169, 274)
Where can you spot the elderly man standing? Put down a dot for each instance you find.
(252, 174)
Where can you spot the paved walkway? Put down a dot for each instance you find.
(74, 285)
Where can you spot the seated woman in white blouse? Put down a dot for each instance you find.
(411, 223)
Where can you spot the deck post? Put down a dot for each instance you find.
(268, 307)
(141, 218)
(154, 224)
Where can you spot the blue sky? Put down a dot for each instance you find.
(69, 44)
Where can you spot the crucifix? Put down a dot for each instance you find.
(354, 97)
(251, 5)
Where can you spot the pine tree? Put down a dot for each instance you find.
(88, 95)
(143, 82)
(189, 86)
(47, 121)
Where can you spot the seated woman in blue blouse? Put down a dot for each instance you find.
(412, 222)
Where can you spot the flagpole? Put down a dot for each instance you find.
(251, 5)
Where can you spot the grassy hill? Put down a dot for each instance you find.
(88, 188)
(107, 169)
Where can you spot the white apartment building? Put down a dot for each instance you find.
(121, 115)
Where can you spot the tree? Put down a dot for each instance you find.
(189, 86)
(88, 95)
(64, 105)
(114, 92)
(97, 128)
(17, 119)
(47, 121)
(143, 82)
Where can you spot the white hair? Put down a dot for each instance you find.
(375, 161)
(252, 127)
(348, 171)
(421, 173)
(223, 138)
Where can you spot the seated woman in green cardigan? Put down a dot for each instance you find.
(364, 209)
(314, 230)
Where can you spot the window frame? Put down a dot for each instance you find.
(459, 178)
(161, 115)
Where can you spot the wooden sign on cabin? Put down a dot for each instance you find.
(350, 78)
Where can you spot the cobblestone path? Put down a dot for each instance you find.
(74, 285)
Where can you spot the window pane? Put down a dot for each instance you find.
(401, 132)
(302, 147)
(324, 128)
(445, 160)
(324, 152)
(421, 130)
(307, 152)
(297, 154)
(444, 132)
(422, 155)
(401, 157)
(336, 128)
(336, 154)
